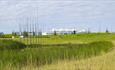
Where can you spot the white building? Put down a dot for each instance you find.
(44, 33)
(68, 31)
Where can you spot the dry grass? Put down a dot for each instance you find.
(104, 62)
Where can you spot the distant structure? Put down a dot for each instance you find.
(27, 30)
(44, 33)
(67, 31)
(21, 36)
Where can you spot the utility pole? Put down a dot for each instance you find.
(20, 32)
(33, 33)
(27, 31)
(88, 31)
(30, 33)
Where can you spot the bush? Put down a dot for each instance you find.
(7, 36)
(10, 45)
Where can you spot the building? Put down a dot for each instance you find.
(63, 31)
(68, 31)
(44, 33)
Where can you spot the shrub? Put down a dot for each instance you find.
(10, 45)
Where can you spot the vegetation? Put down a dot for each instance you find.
(49, 49)
(45, 55)
(72, 38)
(102, 62)
(11, 45)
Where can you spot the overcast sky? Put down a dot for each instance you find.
(93, 14)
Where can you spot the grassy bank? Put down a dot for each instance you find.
(102, 62)
(48, 54)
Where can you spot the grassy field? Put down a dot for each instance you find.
(61, 52)
(78, 38)
(102, 62)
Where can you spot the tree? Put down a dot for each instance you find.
(107, 31)
(34, 34)
(55, 33)
(14, 33)
(74, 32)
(25, 34)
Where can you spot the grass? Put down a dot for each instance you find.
(46, 55)
(102, 62)
(56, 48)
(78, 38)
(10, 45)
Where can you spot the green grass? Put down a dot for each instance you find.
(101, 62)
(48, 54)
(78, 38)
(60, 47)
(11, 45)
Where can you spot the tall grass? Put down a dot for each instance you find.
(55, 48)
(10, 45)
(48, 54)
(101, 62)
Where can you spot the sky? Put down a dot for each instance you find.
(96, 15)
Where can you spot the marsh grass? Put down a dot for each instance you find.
(101, 62)
(11, 45)
(58, 48)
(47, 54)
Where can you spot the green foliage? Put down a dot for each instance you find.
(14, 34)
(25, 34)
(10, 45)
(7, 36)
